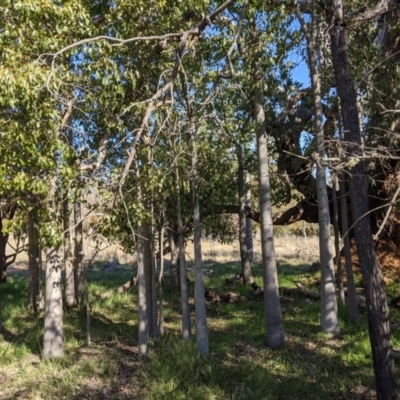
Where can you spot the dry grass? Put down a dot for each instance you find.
(291, 248)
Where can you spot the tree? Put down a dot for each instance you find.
(329, 312)
(378, 321)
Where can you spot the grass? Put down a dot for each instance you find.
(312, 365)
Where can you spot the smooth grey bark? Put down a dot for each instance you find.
(79, 273)
(275, 334)
(143, 314)
(351, 286)
(148, 271)
(35, 296)
(200, 302)
(70, 298)
(377, 308)
(244, 251)
(53, 343)
(186, 322)
(329, 312)
(249, 223)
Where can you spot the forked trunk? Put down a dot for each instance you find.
(272, 305)
(53, 343)
(377, 309)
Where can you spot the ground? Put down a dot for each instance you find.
(310, 366)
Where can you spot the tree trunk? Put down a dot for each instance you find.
(148, 271)
(53, 344)
(70, 298)
(3, 258)
(329, 313)
(186, 323)
(35, 297)
(174, 268)
(244, 251)
(160, 286)
(79, 273)
(337, 240)
(249, 224)
(351, 286)
(143, 314)
(377, 309)
(273, 315)
(200, 303)
(154, 307)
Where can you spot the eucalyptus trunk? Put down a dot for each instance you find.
(148, 271)
(329, 312)
(160, 286)
(70, 298)
(53, 343)
(351, 286)
(273, 316)
(244, 251)
(143, 313)
(249, 223)
(79, 273)
(186, 323)
(337, 242)
(154, 306)
(35, 297)
(3, 257)
(174, 267)
(200, 301)
(377, 308)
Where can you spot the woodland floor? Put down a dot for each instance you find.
(310, 366)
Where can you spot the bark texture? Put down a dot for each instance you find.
(377, 309)
(273, 315)
(53, 343)
(329, 312)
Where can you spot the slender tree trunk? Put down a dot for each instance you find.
(272, 306)
(70, 298)
(156, 332)
(35, 298)
(3, 258)
(377, 309)
(148, 271)
(337, 240)
(79, 273)
(200, 302)
(174, 267)
(160, 281)
(249, 224)
(143, 313)
(53, 344)
(351, 286)
(244, 252)
(186, 323)
(329, 313)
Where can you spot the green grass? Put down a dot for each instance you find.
(310, 366)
